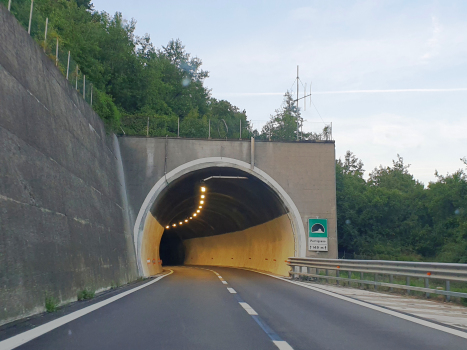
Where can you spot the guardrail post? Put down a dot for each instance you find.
(391, 280)
(9, 5)
(350, 277)
(376, 280)
(407, 282)
(427, 285)
(337, 275)
(361, 278)
(448, 288)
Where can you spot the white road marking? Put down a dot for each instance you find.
(248, 308)
(219, 276)
(225, 282)
(27, 336)
(374, 307)
(231, 290)
(282, 345)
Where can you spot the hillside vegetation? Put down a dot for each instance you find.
(132, 79)
(392, 216)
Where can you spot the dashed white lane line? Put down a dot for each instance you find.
(27, 336)
(282, 345)
(248, 308)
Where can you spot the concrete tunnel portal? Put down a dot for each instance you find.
(215, 215)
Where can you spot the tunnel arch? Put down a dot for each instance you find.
(294, 217)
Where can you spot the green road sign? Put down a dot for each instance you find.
(318, 235)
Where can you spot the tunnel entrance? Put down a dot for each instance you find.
(171, 249)
(217, 215)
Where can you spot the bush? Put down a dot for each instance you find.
(85, 294)
(50, 303)
(105, 107)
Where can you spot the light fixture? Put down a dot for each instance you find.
(186, 220)
(174, 225)
(203, 189)
(198, 211)
(167, 227)
(202, 196)
(191, 218)
(200, 207)
(194, 214)
(201, 202)
(181, 223)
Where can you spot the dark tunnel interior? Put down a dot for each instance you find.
(229, 205)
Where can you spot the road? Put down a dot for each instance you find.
(193, 309)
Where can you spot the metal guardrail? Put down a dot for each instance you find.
(426, 270)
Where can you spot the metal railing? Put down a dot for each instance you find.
(426, 270)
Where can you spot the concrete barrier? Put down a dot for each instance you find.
(264, 247)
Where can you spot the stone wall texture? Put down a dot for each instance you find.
(63, 224)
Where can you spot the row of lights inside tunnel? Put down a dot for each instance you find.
(198, 211)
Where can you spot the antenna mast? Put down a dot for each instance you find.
(300, 98)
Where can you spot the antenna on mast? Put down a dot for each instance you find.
(301, 98)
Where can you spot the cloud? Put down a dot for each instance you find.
(433, 42)
(343, 92)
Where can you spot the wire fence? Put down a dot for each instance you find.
(38, 26)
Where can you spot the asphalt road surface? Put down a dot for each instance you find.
(194, 309)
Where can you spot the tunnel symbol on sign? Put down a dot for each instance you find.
(317, 228)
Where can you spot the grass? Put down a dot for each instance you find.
(86, 294)
(51, 303)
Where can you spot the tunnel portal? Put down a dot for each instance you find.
(219, 216)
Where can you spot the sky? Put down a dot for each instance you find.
(391, 76)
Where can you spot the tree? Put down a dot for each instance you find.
(283, 125)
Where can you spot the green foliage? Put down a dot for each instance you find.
(392, 216)
(129, 75)
(51, 303)
(283, 125)
(106, 109)
(86, 294)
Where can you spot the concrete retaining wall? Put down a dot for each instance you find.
(150, 246)
(62, 197)
(264, 247)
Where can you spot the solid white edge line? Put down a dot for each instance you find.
(282, 345)
(374, 307)
(231, 290)
(27, 336)
(248, 308)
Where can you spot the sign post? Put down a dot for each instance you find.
(318, 235)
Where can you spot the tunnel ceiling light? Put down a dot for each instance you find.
(202, 196)
(194, 214)
(200, 207)
(167, 226)
(202, 202)
(191, 218)
(203, 189)
(174, 225)
(198, 211)
(186, 220)
(180, 223)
